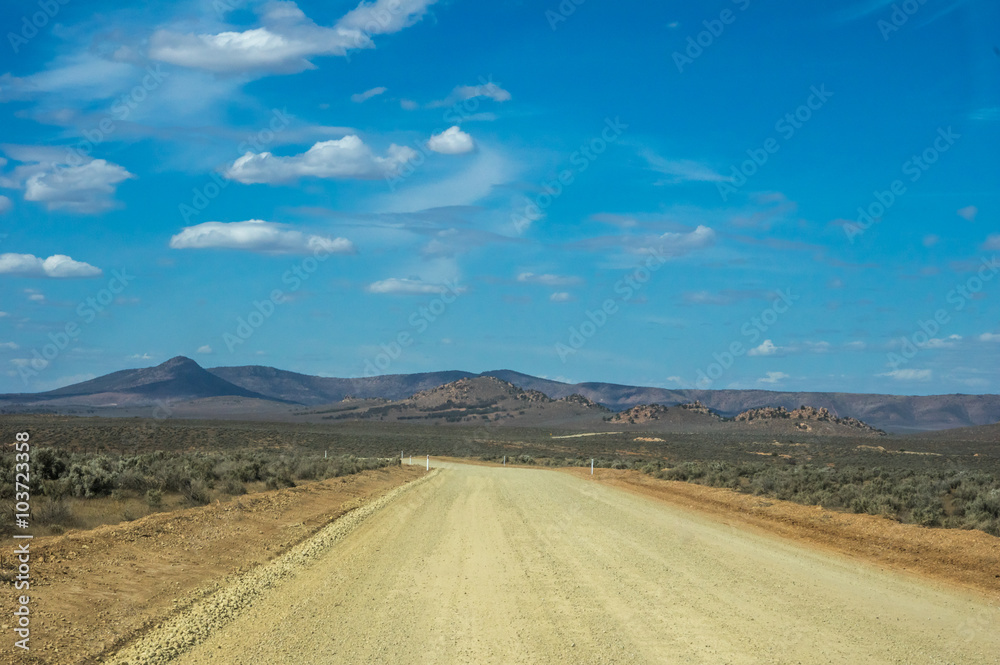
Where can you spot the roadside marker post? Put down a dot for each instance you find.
(428, 462)
(591, 466)
(505, 460)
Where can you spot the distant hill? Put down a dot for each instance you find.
(314, 390)
(177, 379)
(181, 379)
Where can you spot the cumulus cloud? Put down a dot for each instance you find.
(5, 204)
(256, 235)
(677, 244)
(137, 356)
(560, 296)
(766, 348)
(285, 39)
(452, 141)
(348, 157)
(368, 94)
(58, 266)
(548, 279)
(773, 377)
(989, 337)
(406, 286)
(204, 350)
(82, 188)
(909, 374)
(9, 345)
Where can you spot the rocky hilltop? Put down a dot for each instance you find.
(802, 416)
(690, 412)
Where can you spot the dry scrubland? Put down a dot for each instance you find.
(90, 471)
(419, 567)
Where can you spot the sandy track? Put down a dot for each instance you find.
(492, 565)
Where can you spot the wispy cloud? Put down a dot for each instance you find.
(285, 39)
(368, 94)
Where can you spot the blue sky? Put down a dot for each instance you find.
(740, 194)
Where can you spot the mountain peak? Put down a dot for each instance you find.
(178, 361)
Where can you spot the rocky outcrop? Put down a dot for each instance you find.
(803, 415)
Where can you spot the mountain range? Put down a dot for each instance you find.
(231, 391)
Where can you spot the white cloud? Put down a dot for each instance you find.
(452, 141)
(989, 337)
(937, 343)
(256, 235)
(461, 93)
(3, 314)
(909, 374)
(56, 266)
(136, 356)
(204, 350)
(9, 345)
(856, 346)
(405, 286)
(548, 279)
(818, 347)
(992, 243)
(348, 157)
(968, 212)
(681, 170)
(931, 240)
(766, 348)
(676, 244)
(86, 188)
(560, 296)
(286, 38)
(475, 181)
(368, 94)
(5, 204)
(773, 377)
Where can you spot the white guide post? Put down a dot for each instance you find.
(428, 462)
(505, 460)
(591, 466)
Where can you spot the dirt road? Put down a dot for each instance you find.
(488, 565)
